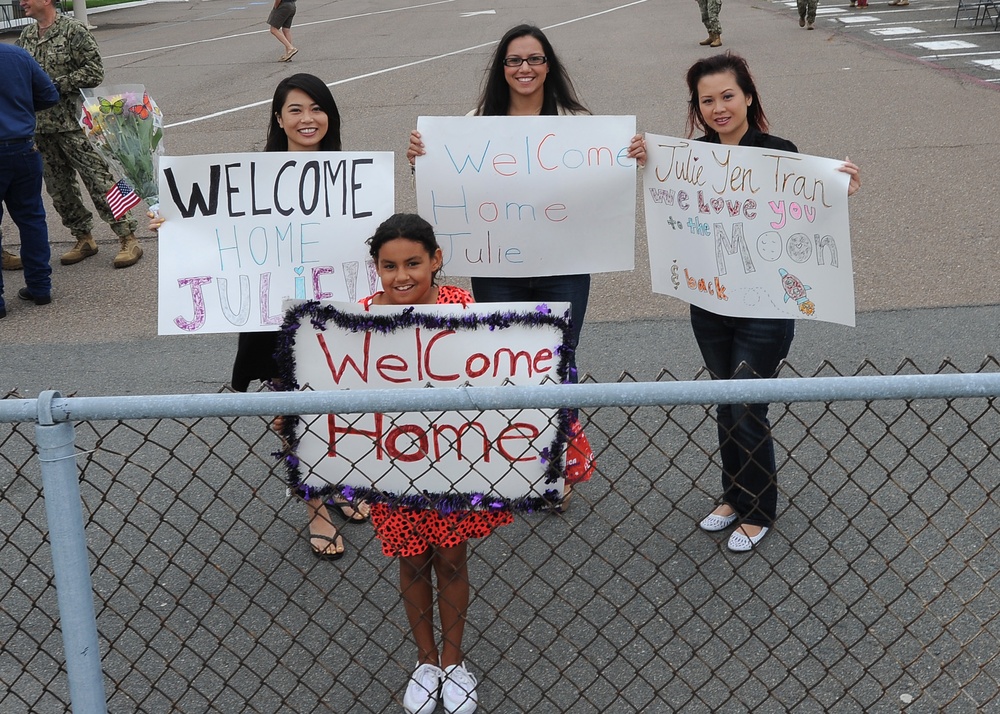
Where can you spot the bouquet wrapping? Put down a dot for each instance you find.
(126, 127)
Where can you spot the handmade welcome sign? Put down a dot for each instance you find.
(509, 459)
(748, 232)
(529, 196)
(245, 231)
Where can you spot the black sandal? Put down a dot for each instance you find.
(348, 512)
(325, 553)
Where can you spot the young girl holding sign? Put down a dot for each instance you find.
(725, 105)
(408, 258)
(526, 78)
(304, 117)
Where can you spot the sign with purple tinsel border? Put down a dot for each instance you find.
(460, 460)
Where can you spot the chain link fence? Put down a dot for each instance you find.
(877, 591)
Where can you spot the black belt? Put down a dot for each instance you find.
(11, 142)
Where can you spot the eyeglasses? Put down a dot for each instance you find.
(532, 61)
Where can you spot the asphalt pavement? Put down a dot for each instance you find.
(899, 90)
(924, 238)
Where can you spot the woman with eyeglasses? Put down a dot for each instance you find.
(526, 78)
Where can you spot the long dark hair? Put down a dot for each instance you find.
(404, 225)
(558, 88)
(717, 64)
(277, 140)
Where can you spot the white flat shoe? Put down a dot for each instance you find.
(740, 542)
(714, 522)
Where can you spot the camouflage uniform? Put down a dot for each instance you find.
(710, 16)
(68, 52)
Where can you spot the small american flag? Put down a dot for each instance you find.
(121, 198)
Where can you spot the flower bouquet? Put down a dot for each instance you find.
(126, 127)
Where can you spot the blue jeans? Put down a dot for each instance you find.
(21, 193)
(574, 289)
(745, 348)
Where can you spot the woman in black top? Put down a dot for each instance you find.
(724, 103)
(304, 117)
(527, 78)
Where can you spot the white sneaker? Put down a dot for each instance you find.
(421, 696)
(458, 690)
(740, 542)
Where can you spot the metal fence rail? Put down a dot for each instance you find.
(877, 591)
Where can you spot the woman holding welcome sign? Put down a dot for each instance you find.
(526, 78)
(304, 117)
(724, 104)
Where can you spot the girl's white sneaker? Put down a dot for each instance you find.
(421, 695)
(458, 690)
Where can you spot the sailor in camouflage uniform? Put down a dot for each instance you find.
(68, 52)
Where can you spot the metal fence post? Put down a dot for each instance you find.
(75, 592)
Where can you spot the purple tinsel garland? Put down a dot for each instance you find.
(320, 315)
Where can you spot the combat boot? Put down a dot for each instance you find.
(11, 261)
(130, 252)
(85, 247)
(716, 41)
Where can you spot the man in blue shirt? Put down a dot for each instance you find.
(25, 90)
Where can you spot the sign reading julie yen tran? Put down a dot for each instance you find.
(245, 231)
(511, 459)
(748, 232)
(529, 196)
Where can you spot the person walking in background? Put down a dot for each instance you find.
(68, 52)
(280, 21)
(25, 90)
(725, 105)
(710, 18)
(807, 13)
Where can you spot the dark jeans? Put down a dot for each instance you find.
(574, 289)
(745, 348)
(21, 193)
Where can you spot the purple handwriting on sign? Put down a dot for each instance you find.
(318, 292)
(198, 298)
(265, 291)
(747, 207)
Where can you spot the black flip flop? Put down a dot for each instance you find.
(340, 507)
(325, 553)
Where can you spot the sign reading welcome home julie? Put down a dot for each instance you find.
(509, 457)
(245, 231)
(529, 196)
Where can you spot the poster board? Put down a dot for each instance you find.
(505, 459)
(748, 232)
(529, 196)
(245, 231)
